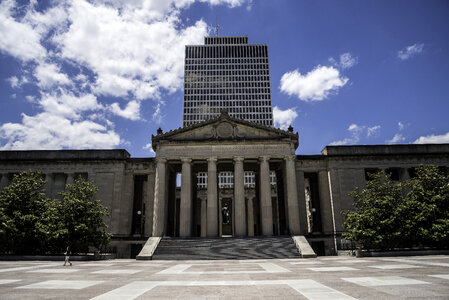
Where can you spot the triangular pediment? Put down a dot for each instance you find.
(225, 128)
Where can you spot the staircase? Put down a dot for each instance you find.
(226, 248)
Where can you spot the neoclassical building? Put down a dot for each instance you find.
(228, 172)
(271, 191)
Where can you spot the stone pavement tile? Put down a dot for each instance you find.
(15, 269)
(94, 265)
(332, 269)
(306, 262)
(419, 262)
(61, 284)
(242, 269)
(55, 271)
(7, 281)
(384, 280)
(353, 261)
(310, 289)
(117, 271)
(443, 276)
(143, 264)
(392, 267)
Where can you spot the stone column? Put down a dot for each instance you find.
(4, 180)
(292, 195)
(266, 211)
(250, 219)
(203, 217)
(70, 178)
(185, 213)
(303, 225)
(212, 199)
(325, 202)
(239, 197)
(403, 174)
(49, 184)
(159, 198)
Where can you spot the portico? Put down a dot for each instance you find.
(233, 146)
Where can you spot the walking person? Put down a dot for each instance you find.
(67, 254)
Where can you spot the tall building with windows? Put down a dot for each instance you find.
(227, 73)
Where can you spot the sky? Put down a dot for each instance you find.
(106, 74)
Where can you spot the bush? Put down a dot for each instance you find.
(403, 214)
(31, 223)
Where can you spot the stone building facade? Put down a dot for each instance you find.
(144, 199)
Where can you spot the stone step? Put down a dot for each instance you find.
(226, 248)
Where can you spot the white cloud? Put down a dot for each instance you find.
(356, 132)
(50, 75)
(18, 39)
(316, 85)
(130, 49)
(347, 61)
(284, 118)
(149, 147)
(157, 115)
(30, 98)
(60, 125)
(433, 139)
(372, 130)
(401, 126)
(49, 131)
(131, 111)
(346, 141)
(13, 81)
(410, 51)
(396, 139)
(104, 39)
(355, 128)
(16, 82)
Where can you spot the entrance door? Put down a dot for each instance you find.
(226, 217)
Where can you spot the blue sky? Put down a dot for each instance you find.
(107, 74)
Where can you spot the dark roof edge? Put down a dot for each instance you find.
(397, 149)
(90, 154)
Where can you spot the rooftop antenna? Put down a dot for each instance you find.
(217, 26)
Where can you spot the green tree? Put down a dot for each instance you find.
(374, 222)
(427, 207)
(411, 213)
(83, 217)
(28, 219)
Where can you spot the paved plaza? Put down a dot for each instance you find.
(423, 277)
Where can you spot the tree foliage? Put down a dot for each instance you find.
(31, 223)
(83, 217)
(390, 214)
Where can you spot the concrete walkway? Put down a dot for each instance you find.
(423, 277)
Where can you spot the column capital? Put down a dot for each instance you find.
(264, 158)
(212, 159)
(239, 158)
(186, 159)
(161, 159)
(290, 157)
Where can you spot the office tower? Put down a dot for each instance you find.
(227, 72)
